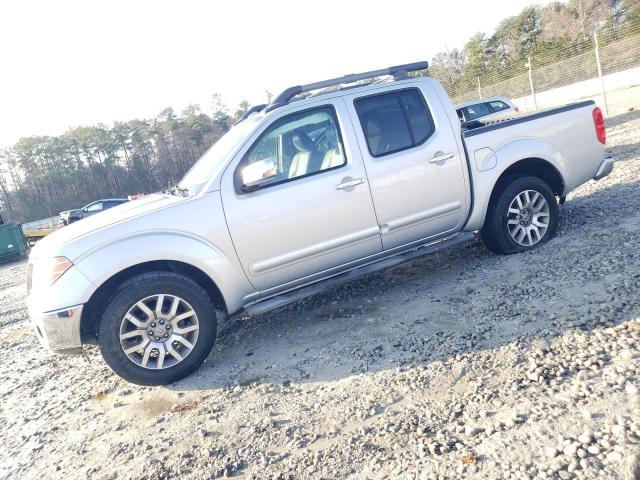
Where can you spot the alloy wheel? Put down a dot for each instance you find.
(528, 218)
(159, 331)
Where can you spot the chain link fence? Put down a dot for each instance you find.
(604, 68)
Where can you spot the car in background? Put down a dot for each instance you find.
(70, 216)
(486, 109)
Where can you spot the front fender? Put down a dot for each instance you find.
(104, 261)
(504, 157)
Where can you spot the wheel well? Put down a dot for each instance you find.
(535, 167)
(95, 306)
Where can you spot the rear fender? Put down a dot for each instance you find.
(506, 156)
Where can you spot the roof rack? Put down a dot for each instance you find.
(253, 109)
(399, 72)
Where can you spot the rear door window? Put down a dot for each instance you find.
(475, 111)
(394, 121)
(496, 106)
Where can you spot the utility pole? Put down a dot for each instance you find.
(602, 89)
(479, 88)
(533, 91)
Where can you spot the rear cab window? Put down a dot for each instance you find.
(394, 121)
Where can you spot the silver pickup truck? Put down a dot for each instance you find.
(330, 181)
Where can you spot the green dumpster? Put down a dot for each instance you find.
(13, 243)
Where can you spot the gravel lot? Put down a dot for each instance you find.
(459, 365)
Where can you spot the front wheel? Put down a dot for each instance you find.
(522, 216)
(158, 328)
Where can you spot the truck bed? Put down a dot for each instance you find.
(565, 137)
(476, 127)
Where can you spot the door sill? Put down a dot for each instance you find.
(319, 286)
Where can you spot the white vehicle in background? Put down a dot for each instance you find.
(319, 187)
(492, 108)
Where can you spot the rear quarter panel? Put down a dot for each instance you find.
(567, 140)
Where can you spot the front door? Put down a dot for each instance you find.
(313, 212)
(415, 169)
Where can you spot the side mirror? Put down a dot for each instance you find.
(257, 172)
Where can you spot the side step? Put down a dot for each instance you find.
(303, 292)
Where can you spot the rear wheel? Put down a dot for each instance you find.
(158, 328)
(522, 216)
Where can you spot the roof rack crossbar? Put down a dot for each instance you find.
(399, 72)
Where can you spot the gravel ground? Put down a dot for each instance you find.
(463, 364)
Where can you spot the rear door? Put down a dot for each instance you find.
(316, 214)
(415, 170)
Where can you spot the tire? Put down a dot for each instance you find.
(503, 228)
(127, 306)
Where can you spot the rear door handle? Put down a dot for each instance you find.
(441, 158)
(349, 183)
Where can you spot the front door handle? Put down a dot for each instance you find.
(347, 183)
(441, 158)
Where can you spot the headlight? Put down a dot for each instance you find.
(52, 269)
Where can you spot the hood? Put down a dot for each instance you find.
(51, 244)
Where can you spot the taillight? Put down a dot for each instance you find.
(598, 122)
(517, 110)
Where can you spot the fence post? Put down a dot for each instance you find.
(602, 89)
(479, 88)
(533, 91)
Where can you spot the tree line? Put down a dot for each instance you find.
(549, 34)
(43, 175)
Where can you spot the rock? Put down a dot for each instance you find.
(614, 456)
(627, 354)
(472, 431)
(551, 452)
(585, 438)
(593, 449)
(570, 450)
(533, 376)
(618, 430)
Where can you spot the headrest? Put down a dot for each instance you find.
(372, 128)
(302, 142)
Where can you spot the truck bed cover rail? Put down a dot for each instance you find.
(476, 127)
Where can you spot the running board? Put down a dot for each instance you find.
(318, 287)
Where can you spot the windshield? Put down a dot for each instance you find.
(216, 158)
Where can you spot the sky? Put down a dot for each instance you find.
(75, 63)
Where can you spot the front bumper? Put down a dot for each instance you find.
(59, 331)
(605, 168)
